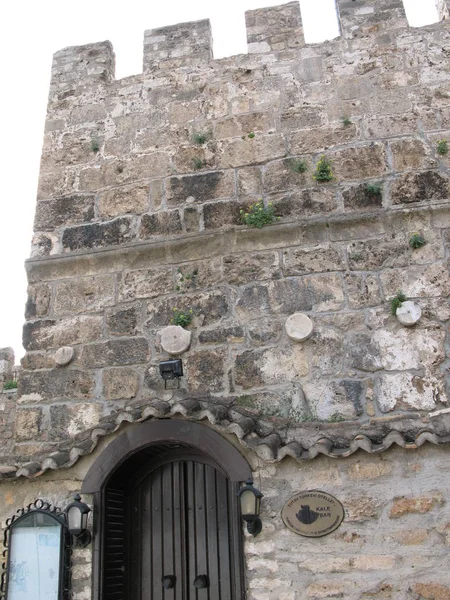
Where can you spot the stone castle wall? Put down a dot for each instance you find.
(139, 213)
(137, 216)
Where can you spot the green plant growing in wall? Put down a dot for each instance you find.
(323, 170)
(10, 385)
(442, 147)
(197, 163)
(397, 301)
(199, 138)
(251, 135)
(298, 166)
(95, 144)
(258, 215)
(346, 121)
(181, 317)
(417, 241)
(374, 189)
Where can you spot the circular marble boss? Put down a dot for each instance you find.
(299, 327)
(175, 339)
(408, 313)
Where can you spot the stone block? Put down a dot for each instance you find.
(305, 116)
(326, 589)
(326, 347)
(362, 290)
(98, 235)
(264, 331)
(222, 214)
(256, 368)
(274, 28)
(362, 197)
(408, 154)
(242, 125)
(123, 200)
(305, 203)
(362, 353)
(123, 321)
(317, 259)
(409, 348)
(432, 590)
(115, 352)
(335, 400)
(408, 391)
(44, 244)
(45, 334)
(320, 139)
(38, 335)
(249, 181)
(37, 360)
(358, 162)
(369, 469)
(191, 219)
(85, 294)
(120, 384)
(38, 301)
(146, 283)
(28, 424)
(206, 371)
(281, 175)
(195, 158)
(310, 293)
(383, 126)
(416, 505)
(66, 420)
(70, 384)
(207, 308)
(225, 334)
(200, 274)
(68, 210)
(417, 281)
(420, 187)
(164, 223)
(200, 188)
(373, 255)
(260, 149)
(361, 509)
(238, 269)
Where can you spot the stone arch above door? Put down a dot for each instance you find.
(153, 433)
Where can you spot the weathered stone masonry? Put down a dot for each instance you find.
(138, 213)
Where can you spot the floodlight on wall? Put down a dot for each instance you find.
(250, 501)
(171, 369)
(76, 518)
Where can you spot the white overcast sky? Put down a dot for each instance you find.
(31, 31)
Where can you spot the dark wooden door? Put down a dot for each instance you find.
(184, 535)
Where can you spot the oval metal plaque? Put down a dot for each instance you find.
(312, 513)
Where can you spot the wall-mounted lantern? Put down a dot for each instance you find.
(77, 516)
(250, 500)
(171, 369)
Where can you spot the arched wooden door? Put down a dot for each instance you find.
(167, 520)
(181, 535)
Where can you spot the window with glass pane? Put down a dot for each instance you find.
(35, 558)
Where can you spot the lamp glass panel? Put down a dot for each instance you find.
(75, 519)
(248, 503)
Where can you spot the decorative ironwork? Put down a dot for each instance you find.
(40, 506)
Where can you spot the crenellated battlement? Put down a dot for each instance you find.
(274, 30)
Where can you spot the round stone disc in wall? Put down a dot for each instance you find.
(299, 327)
(408, 313)
(175, 339)
(64, 355)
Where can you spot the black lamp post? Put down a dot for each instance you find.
(77, 516)
(250, 500)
